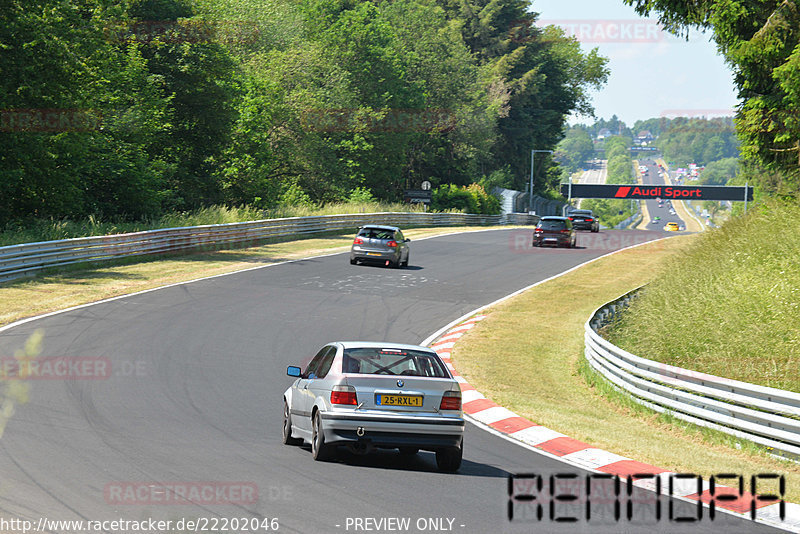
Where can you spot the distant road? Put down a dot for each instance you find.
(596, 173)
(653, 177)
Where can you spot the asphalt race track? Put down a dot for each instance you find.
(654, 178)
(192, 400)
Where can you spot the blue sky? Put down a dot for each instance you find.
(653, 73)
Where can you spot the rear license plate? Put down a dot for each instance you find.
(373, 253)
(398, 400)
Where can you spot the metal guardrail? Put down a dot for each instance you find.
(28, 259)
(764, 415)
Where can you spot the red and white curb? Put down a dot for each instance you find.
(497, 419)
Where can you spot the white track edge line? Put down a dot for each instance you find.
(142, 292)
(467, 315)
(491, 430)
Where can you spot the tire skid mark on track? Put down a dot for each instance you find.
(489, 415)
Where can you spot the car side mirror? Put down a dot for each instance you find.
(408, 240)
(293, 370)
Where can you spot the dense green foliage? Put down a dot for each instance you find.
(574, 150)
(620, 171)
(655, 126)
(701, 141)
(469, 199)
(729, 305)
(760, 39)
(719, 172)
(124, 111)
(620, 165)
(614, 125)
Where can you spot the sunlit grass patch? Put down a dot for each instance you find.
(527, 355)
(729, 306)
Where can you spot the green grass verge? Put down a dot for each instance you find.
(527, 356)
(729, 305)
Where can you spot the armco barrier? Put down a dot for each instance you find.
(767, 416)
(17, 261)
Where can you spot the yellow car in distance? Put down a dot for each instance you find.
(672, 227)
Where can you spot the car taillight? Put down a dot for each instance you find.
(391, 244)
(451, 400)
(589, 220)
(564, 231)
(358, 241)
(571, 218)
(344, 395)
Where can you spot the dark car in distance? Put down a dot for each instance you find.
(584, 220)
(557, 231)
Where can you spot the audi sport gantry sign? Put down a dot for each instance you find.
(651, 192)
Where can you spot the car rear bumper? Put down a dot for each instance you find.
(393, 431)
(552, 240)
(374, 255)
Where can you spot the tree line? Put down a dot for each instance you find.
(760, 40)
(129, 110)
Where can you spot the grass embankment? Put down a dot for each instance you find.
(50, 230)
(729, 306)
(527, 355)
(52, 292)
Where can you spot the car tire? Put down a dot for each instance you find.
(449, 459)
(320, 450)
(595, 230)
(404, 264)
(353, 261)
(408, 451)
(288, 439)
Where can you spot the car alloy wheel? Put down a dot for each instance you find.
(320, 450)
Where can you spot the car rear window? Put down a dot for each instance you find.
(377, 361)
(376, 233)
(552, 225)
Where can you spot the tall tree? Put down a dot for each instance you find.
(544, 73)
(760, 40)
